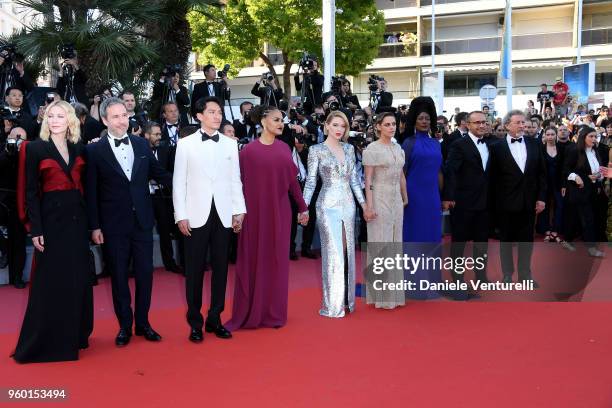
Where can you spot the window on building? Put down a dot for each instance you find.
(603, 82)
(467, 84)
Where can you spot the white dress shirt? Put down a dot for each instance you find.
(482, 149)
(211, 89)
(172, 133)
(593, 164)
(519, 152)
(124, 153)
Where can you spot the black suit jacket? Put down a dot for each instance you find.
(79, 82)
(158, 99)
(165, 156)
(385, 99)
(240, 129)
(201, 91)
(115, 203)
(466, 182)
(315, 93)
(514, 190)
(577, 162)
(447, 141)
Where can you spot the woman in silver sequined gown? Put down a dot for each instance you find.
(335, 214)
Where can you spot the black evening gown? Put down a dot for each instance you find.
(59, 315)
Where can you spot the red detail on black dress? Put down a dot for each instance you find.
(54, 178)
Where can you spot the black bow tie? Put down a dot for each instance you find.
(209, 82)
(125, 140)
(171, 126)
(518, 139)
(481, 140)
(205, 137)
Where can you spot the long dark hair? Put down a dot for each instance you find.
(419, 105)
(581, 146)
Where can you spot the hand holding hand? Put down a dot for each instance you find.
(237, 222)
(303, 218)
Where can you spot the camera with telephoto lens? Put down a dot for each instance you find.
(6, 114)
(8, 51)
(12, 146)
(318, 118)
(358, 139)
(373, 82)
(336, 83)
(67, 51)
(267, 76)
(50, 98)
(334, 106)
(307, 62)
(223, 73)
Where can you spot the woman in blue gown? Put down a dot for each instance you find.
(423, 214)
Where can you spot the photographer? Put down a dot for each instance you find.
(138, 120)
(90, 128)
(347, 99)
(211, 86)
(12, 72)
(14, 101)
(268, 90)
(71, 80)
(105, 93)
(245, 129)
(379, 97)
(169, 88)
(311, 86)
(9, 158)
(332, 104)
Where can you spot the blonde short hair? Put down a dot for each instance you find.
(337, 114)
(74, 125)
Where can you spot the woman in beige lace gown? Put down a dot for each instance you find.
(385, 186)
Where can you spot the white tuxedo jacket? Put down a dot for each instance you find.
(203, 171)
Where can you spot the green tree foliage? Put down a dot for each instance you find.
(237, 33)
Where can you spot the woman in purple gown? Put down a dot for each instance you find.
(269, 177)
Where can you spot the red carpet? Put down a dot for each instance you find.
(427, 354)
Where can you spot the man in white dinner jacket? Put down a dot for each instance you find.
(208, 203)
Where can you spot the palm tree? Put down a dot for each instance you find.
(118, 41)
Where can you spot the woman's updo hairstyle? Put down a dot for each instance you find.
(259, 112)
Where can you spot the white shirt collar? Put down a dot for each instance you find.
(118, 138)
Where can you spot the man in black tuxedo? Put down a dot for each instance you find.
(15, 101)
(460, 131)
(384, 99)
(120, 212)
(244, 127)
(162, 197)
(518, 174)
(209, 87)
(171, 126)
(466, 191)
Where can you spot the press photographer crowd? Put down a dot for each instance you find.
(106, 168)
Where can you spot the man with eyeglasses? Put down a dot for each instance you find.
(162, 198)
(518, 175)
(466, 194)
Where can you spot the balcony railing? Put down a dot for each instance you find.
(488, 44)
(395, 50)
(428, 2)
(393, 4)
(597, 36)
